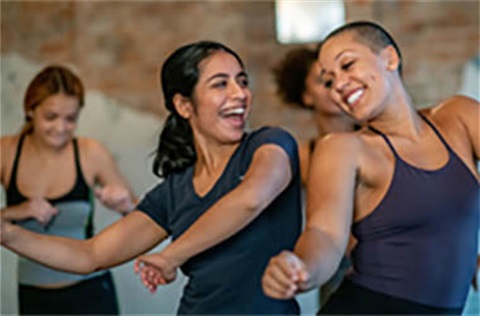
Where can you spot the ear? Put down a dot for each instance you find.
(391, 58)
(307, 99)
(183, 105)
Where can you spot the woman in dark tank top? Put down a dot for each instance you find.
(406, 187)
(48, 192)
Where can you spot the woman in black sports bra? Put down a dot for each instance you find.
(48, 175)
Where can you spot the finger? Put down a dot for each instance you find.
(303, 276)
(137, 266)
(98, 192)
(277, 290)
(277, 274)
(285, 266)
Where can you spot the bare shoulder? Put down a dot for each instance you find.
(91, 146)
(455, 107)
(93, 151)
(340, 145)
(9, 142)
(8, 148)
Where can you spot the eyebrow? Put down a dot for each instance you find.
(341, 53)
(224, 75)
(323, 71)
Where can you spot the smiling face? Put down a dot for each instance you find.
(55, 120)
(221, 100)
(316, 95)
(360, 81)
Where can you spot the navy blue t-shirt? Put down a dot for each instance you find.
(226, 279)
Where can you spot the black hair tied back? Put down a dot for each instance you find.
(175, 150)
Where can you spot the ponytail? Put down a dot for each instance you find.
(175, 150)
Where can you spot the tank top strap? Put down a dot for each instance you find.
(13, 176)
(435, 130)
(389, 143)
(311, 146)
(77, 155)
(80, 178)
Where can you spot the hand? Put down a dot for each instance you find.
(285, 276)
(115, 197)
(5, 231)
(40, 209)
(155, 269)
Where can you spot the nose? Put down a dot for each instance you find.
(61, 126)
(238, 91)
(341, 82)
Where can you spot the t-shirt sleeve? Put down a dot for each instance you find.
(277, 136)
(155, 205)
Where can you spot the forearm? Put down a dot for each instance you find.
(260, 186)
(15, 213)
(224, 219)
(319, 254)
(69, 255)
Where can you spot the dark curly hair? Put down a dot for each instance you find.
(290, 74)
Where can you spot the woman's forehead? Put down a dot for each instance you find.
(217, 60)
(338, 45)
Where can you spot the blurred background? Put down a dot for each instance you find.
(117, 49)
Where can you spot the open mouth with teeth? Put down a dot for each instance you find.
(352, 98)
(233, 112)
(236, 115)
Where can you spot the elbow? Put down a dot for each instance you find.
(87, 262)
(253, 204)
(87, 266)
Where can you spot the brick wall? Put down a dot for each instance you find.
(117, 48)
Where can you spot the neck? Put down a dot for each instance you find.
(41, 147)
(212, 158)
(327, 124)
(399, 117)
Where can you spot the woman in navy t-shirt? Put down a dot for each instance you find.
(230, 199)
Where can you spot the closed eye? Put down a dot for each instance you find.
(348, 65)
(220, 84)
(328, 83)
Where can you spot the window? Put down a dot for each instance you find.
(307, 21)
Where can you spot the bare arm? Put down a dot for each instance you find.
(330, 196)
(36, 208)
(114, 191)
(261, 185)
(459, 117)
(329, 207)
(470, 113)
(118, 243)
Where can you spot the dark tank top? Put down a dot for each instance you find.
(420, 242)
(80, 190)
(74, 220)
